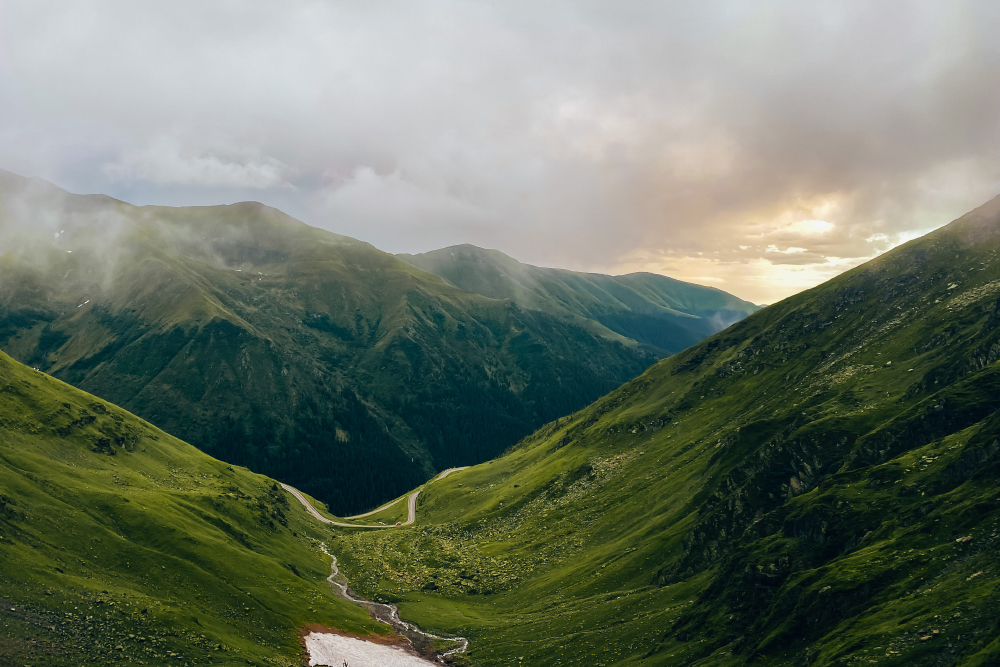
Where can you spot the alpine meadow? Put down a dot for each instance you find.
(815, 485)
(816, 482)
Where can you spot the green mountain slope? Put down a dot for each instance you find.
(665, 314)
(120, 544)
(307, 356)
(816, 485)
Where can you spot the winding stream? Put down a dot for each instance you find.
(422, 642)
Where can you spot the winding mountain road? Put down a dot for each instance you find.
(411, 506)
(387, 613)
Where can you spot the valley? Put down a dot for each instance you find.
(492, 334)
(815, 485)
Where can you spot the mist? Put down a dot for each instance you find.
(56, 243)
(758, 147)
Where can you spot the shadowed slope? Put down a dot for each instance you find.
(305, 355)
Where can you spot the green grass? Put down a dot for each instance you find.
(122, 544)
(778, 494)
(395, 512)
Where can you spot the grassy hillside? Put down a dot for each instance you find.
(121, 544)
(301, 354)
(664, 314)
(816, 485)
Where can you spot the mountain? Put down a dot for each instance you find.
(664, 314)
(307, 356)
(304, 355)
(120, 544)
(815, 485)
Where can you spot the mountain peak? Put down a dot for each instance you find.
(980, 224)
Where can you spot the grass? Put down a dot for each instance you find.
(122, 544)
(396, 511)
(787, 492)
(815, 485)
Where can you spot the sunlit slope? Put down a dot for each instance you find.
(308, 356)
(120, 543)
(816, 485)
(665, 314)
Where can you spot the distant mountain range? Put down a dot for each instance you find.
(316, 358)
(661, 313)
(815, 485)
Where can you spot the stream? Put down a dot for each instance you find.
(422, 642)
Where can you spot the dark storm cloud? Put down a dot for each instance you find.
(757, 146)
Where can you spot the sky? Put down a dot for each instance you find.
(759, 147)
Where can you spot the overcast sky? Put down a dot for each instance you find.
(760, 147)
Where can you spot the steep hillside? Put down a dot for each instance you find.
(665, 314)
(304, 355)
(120, 544)
(816, 485)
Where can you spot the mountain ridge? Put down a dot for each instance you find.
(662, 313)
(815, 485)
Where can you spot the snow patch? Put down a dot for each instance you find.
(335, 651)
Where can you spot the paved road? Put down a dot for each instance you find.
(411, 505)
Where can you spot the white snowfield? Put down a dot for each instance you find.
(336, 651)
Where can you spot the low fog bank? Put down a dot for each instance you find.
(90, 240)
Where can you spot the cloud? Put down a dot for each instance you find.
(422, 216)
(577, 134)
(810, 227)
(164, 161)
